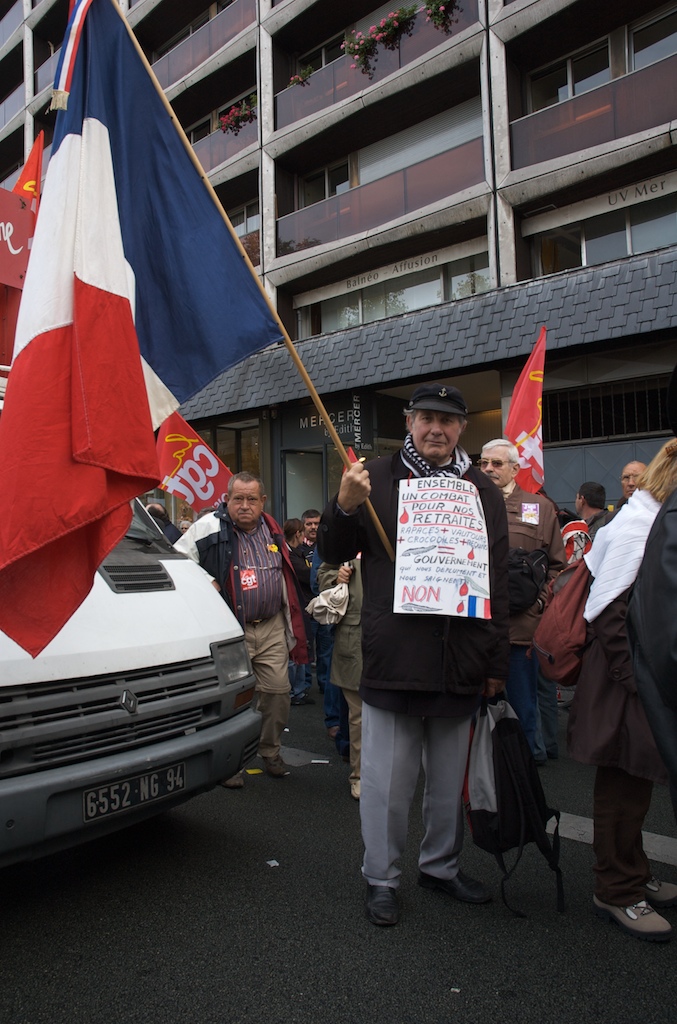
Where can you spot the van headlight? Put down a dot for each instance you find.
(231, 660)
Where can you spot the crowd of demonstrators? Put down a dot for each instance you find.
(607, 724)
(591, 506)
(532, 524)
(630, 475)
(422, 678)
(244, 551)
(299, 675)
(322, 633)
(346, 660)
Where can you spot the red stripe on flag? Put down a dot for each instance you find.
(87, 471)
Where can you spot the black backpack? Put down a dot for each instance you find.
(504, 800)
(527, 576)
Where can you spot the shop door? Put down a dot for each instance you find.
(303, 483)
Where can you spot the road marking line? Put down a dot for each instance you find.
(571, 826)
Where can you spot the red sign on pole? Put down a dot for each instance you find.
(17, 224)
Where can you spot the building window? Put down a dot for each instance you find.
(612, 236)
(180, 36)
(606, 411)
(245, 219)
(397, 295)
(323, 55)
(467, 277)
(246, 223)
(570, 77)
(654, 41)
(330, 181)
(199, 131)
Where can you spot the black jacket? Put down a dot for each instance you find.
(420, 652)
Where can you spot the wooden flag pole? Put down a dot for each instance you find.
(317, 401)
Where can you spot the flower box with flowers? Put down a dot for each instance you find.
(239, 115)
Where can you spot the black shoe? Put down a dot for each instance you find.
(304, 699)
(461, 888)
(382, 905)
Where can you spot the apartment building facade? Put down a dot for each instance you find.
(420, 217)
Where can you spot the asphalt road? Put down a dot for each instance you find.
(246, 907)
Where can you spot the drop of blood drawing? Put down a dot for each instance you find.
(404, 518)
(463, 589)
(460, 606)
(471, 555)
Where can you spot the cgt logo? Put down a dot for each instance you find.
(194, 479)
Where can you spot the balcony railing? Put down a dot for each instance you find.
(11, 21)
(209, 39)
(637, 101)
(44, 75)
(379, 202)
(338, 80)
(12, 105)
(220, 146)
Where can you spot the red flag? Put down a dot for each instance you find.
(190, 469)
(352, 456)
(524, 425)
(28, 183)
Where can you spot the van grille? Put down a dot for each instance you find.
(52, 724)
(135, 579)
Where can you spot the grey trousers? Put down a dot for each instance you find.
(393, 748)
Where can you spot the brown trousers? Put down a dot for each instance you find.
(621, 802)
(267, 645)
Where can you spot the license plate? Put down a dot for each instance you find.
(141, 789)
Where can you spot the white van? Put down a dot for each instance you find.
(141, 701)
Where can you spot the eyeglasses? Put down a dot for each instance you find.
(494, 463)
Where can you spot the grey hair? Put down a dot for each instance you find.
(412, 413)
(246, 478)
(500, 442)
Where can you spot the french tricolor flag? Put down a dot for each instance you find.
(136, 296)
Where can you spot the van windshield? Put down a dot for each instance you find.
(143, 526)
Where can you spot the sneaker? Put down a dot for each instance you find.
(639, 920)
(297, 702)
(275, 766)
(355, 789)
(660, 894)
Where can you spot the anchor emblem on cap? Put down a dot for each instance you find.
(443, 393)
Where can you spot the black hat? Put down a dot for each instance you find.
(671, 402)
(440, 398)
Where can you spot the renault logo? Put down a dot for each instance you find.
(129, 701)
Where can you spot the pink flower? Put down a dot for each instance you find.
(373, 28)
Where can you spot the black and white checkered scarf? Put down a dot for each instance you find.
(419, 466)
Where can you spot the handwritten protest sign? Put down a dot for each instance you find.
(442, 549)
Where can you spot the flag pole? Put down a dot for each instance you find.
(317, 401)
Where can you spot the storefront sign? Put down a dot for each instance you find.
(442, 549)
(351, 416)
(17, 222)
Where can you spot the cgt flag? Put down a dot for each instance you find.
(136, 296)
(29, 181)
(190, 470)
(524, 425)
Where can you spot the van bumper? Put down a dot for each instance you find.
(43, 812)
